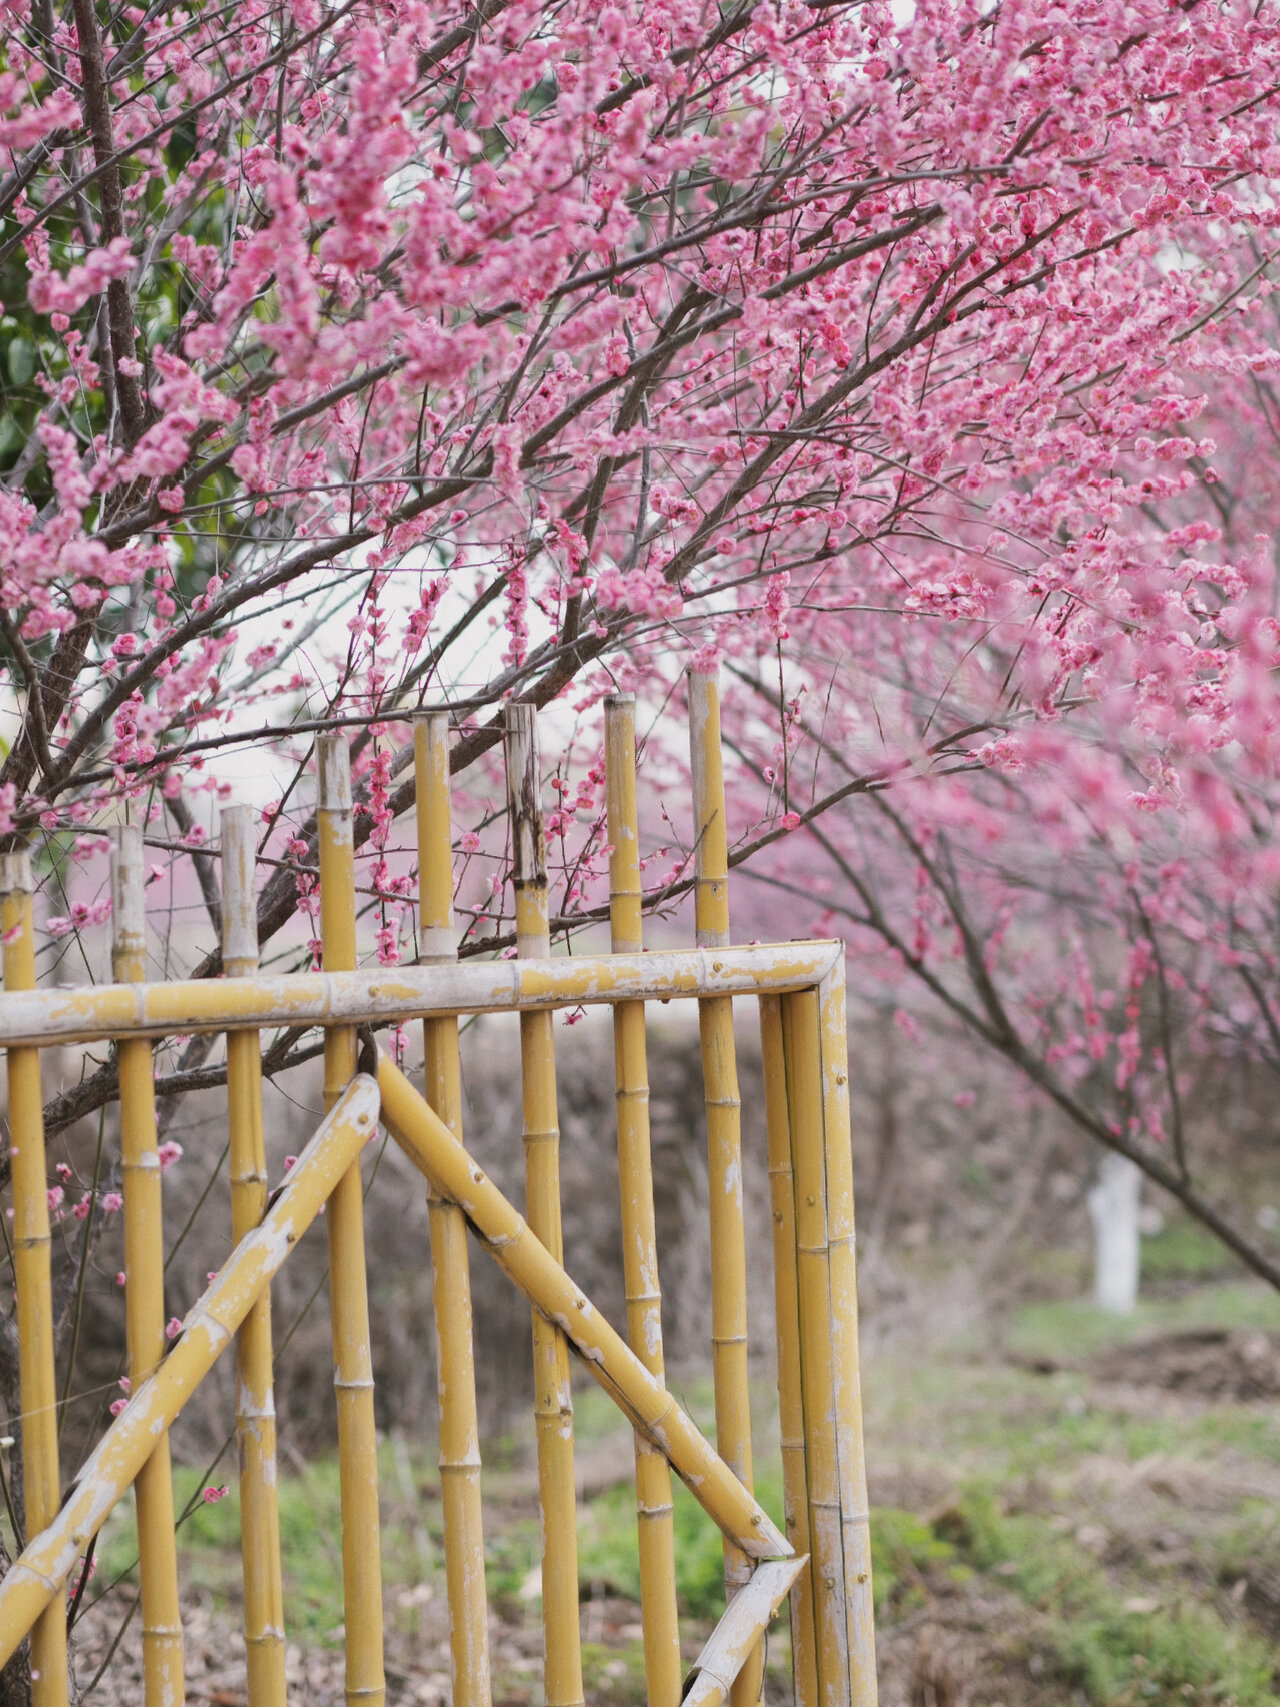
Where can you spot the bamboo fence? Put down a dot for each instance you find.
(821, 1564)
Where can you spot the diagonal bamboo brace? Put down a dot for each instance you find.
(208, 1330)
(736, 1637)
(428, 1143)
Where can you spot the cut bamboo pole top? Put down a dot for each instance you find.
(239, 917)
(437, 935)
(128, 906)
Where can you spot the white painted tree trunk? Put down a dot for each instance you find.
(1113, 1204)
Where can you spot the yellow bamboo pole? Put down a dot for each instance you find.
(804, 1662)
(654, 1510)
(209, 1328)
(553, 1402)
(348, 1296)
(846, 1379)
(144, 1284)
(822, 1440)
(391, 995)
(724, 1133)
(255, 1394)
(429, 1144)
(31, 1275)
(451, 1292)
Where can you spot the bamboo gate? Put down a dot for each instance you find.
(821, 1563)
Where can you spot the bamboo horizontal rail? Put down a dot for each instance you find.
(402, 993)
(427, 1141)
(208, 1329)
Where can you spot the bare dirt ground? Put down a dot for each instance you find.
(1208, 1363)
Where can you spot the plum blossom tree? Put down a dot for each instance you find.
(369, 355)
(1091, 892)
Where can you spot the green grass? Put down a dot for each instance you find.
(1072, 1328)
(1184, 1251)
(906, 1552)
(1115, 1648)
(310, 1544)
